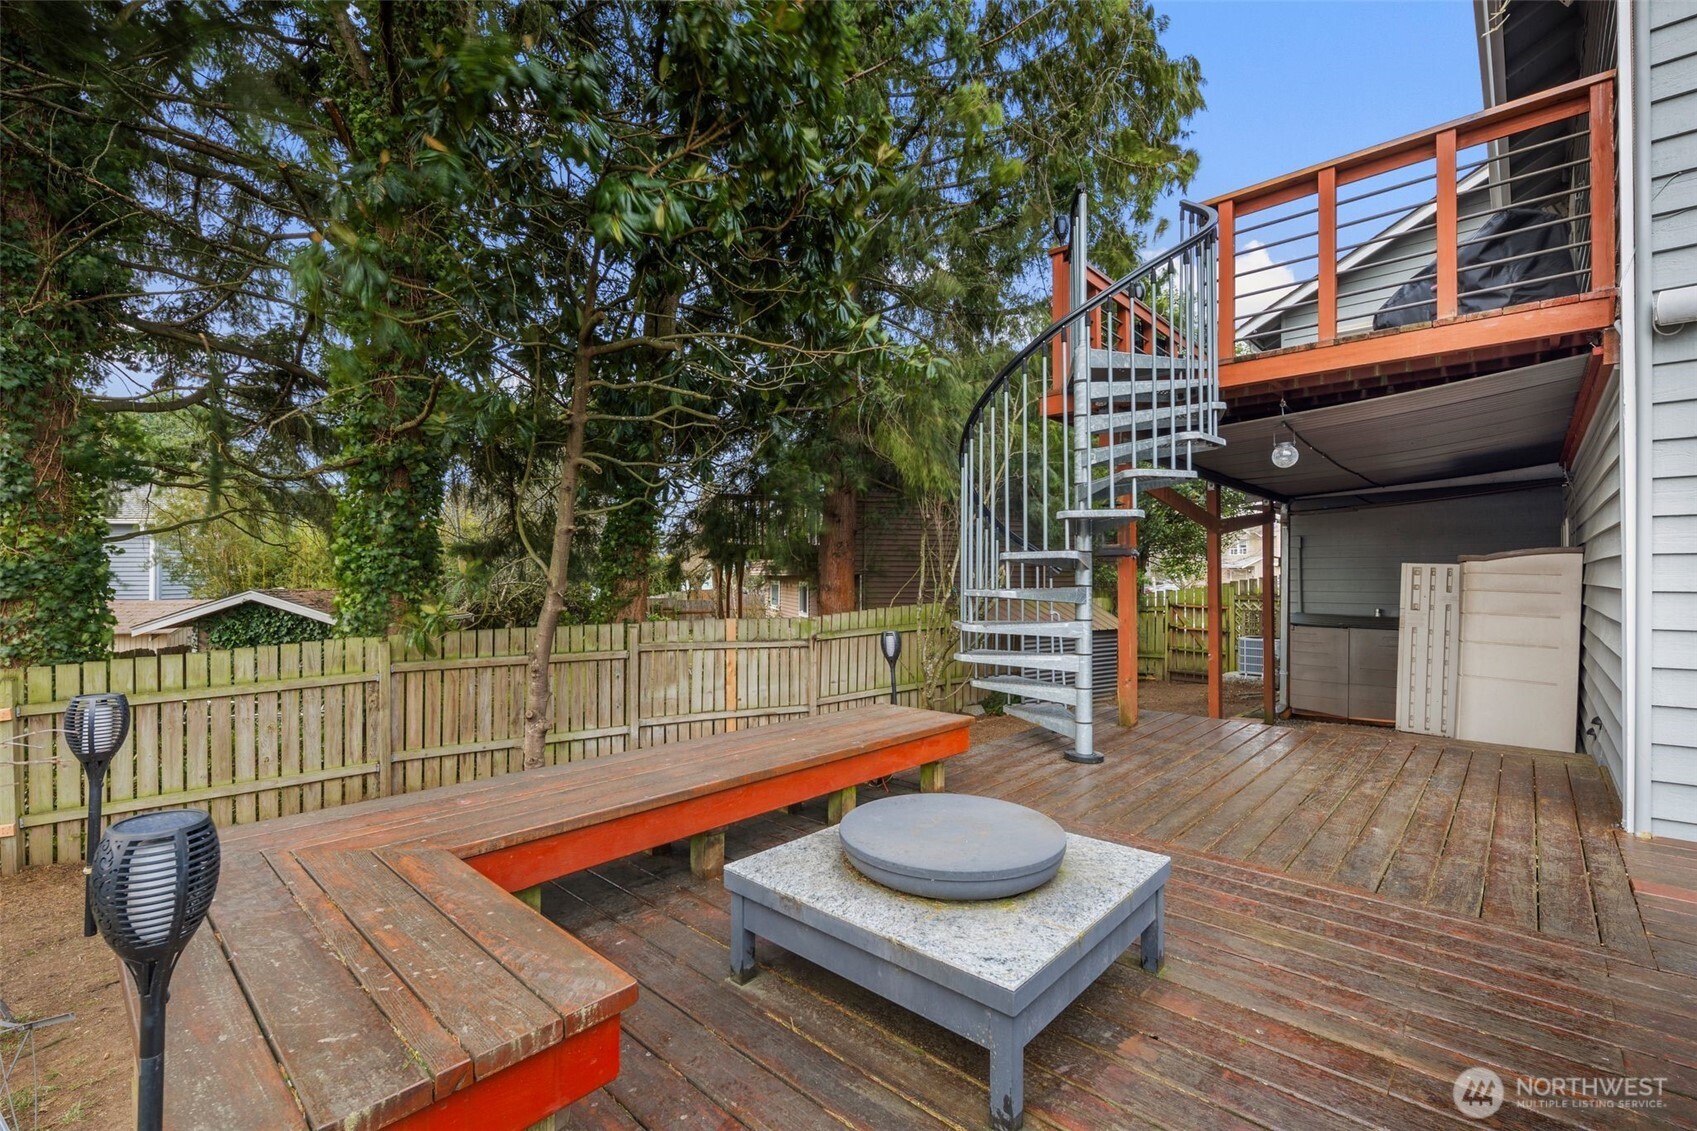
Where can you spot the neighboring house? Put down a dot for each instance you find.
(141, 570)
(1553, 422)
(897, 562)
(1240, 554)
(782, 592)
(180, 625)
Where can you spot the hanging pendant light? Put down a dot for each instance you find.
(1285, 454)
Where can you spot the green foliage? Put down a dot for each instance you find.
(225, 552)
(54, 583)
(249, 626)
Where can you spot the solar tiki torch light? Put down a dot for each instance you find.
(95, 726)
(153, 879)
(891, 644)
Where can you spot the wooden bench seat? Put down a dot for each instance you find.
(365, 967)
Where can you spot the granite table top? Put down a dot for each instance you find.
(1001, 944)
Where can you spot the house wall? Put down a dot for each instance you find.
(1348, 562)
(1672, 442)
(889, 543)
(131, 562)
(1593, 501)
(790, 598)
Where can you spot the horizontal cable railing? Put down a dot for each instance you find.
(1510, 206)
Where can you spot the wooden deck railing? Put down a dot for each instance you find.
(1408, 203)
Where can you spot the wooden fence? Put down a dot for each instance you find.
(1172, 629)
(254, 733)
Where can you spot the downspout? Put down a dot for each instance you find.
(1282, 707)
(1633, 108)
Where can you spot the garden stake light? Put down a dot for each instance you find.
(95, 727)
(891, 644)
(152, 882)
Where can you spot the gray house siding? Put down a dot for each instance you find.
(1348, 562)
(1593, 517)
(131, 562)
(1673, 434)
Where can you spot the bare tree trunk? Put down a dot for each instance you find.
(539, 701)
(633, 590)
(742, 586)
(836, 553)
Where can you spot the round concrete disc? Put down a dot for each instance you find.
(953, 846)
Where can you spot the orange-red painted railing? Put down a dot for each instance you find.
(1588, 146)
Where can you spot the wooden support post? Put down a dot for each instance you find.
(1269, 622)
(931, 777)
(1226, 345)
(1449, 240)
(841, 803)
(1126, 597)
(1216, 669)
(531, 897)
(1326, 200)
(1602, 186)
(707, 855)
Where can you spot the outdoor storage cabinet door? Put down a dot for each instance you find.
(1428, 648)
(1520, 649)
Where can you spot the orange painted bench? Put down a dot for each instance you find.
(365, 967)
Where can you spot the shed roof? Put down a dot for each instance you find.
(313, 604)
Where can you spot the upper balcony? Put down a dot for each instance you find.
(1481, 244)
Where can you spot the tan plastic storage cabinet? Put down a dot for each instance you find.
(1520, 649)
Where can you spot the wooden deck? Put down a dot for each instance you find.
(1288, 1000)
(1511, 836)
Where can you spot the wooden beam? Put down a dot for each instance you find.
(1202, 518)
(1216, 610)
(1597, 370)
(1269, 627)
(1126, 599)
(1310, 366)
(1181, 504)
(1241, 522)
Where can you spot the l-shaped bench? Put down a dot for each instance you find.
(366, 968)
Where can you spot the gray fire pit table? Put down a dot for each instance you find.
(994, 971)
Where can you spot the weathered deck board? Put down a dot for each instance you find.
(1285, 1002)
(1515, 836)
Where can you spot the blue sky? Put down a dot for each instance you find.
(1289, 84)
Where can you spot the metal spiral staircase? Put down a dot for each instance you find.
(1111, 400)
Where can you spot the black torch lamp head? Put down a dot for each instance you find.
(95, 727)
(153, 880)
(891, 644)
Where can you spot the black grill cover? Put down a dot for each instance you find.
(1481, 262)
